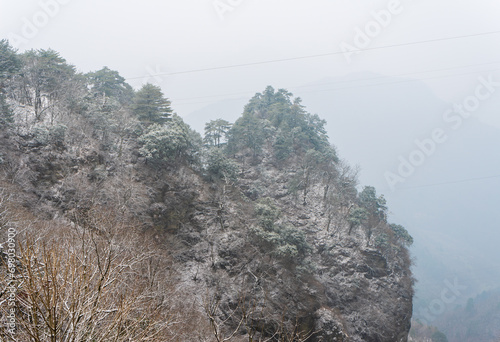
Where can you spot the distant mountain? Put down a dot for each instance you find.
(476, 321)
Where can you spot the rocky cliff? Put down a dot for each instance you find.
(330, 284)
(260, 232)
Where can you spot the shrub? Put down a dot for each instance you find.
(219, 166)
(6, 114)
(57, 133)
(267, 213)
(402, 234)
(285, 242)
(49, 135)
(356, 218)
(382, 241)
(169, 142)
(41, 134)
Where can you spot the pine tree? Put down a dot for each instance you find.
(107, 83)
(216, 132)
(47, 74)
(6, 115)
(9, 66)
(151, 106)
(171, 142)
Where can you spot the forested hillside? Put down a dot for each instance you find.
(121, 223)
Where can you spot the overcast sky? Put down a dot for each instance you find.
(142, 39)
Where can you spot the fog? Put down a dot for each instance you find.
(410, 90)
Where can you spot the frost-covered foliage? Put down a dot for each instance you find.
(53, 135)
(9, 66)
(219, 166)
(278, 115)
(170, 142)
(402, 234)
(151, 106)
(283, 241)
(286, 203)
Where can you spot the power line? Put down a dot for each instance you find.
(352, 87)
(406, 81)
(401, 75)
(313, 56)
(450, 182)
(343, 82)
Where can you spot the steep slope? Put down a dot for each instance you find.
(341, 287)
(264, 230)
(373, 120)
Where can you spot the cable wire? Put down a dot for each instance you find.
(342, 82)
(450, 182)
(313, 56)
(357, 86)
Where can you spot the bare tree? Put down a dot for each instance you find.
(85, 283)
(340, 195)
(246, 322)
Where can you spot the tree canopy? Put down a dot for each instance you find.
(216, 132)
(10, 64)
(151, 106)
(170, 142)
(109, 83)
(278, 115)
(48, 75)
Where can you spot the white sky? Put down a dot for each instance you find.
(149, 37)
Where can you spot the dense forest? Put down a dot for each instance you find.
(121, 223)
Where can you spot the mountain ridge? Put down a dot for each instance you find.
(255, 231)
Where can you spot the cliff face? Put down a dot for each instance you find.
(342, 289)
(259, 232)
(252, 249)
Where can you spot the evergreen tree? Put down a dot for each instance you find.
(45, 74)
(9, 62)
(170, 142)
(6, 115)
(375, 207)
(107, 83)
(356, 217)
(296, 129)
(402, 234)
(9, 66)
(216, 132)
(150, 105)
(262, 103)
(248, 132)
